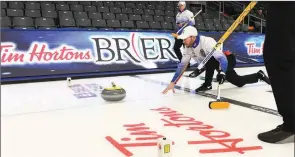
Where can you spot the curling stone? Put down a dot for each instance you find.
(114, 93)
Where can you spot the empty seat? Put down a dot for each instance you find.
(83, 23)
(138, 11)
(127, 10)
(200, 26)
(149, 12)
(142, 25)
(140, 6)
(76, 7)
(14, 12)
(85, 2)
(108, 4)
(113, 23)
(171, 8)
(224, 21)
(210, 26)
(108, 16)
(127, 24)
(159, 12)
(97, 3)
(67, 22)
(5, 22)
(33, 6)
(44, 22)
(218, 27)
(115, 10)
(62, 7)
(120, 4)
(49, 13)
(199, 21)
(103, 9)
(150, 6)
(166, 25)
(3, 12)
(16, 5)
(155, 25)
(3, 4)
(130, 5)
(159, 18)
(169, 13)
(65, 14)
(147, 18)
(160, 7)
(89, 8)
(33, 13)
(94, 15)
(135, 17)
(121, 17)
(161, 3)
(20, 22)
(80, 15)
(47, 6)
(169, 19)
(98, 23)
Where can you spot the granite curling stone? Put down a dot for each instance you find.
(114, 93)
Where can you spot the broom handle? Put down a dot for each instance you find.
(218, 92)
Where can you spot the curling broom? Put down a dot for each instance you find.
(218, 104)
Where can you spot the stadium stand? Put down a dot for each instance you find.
(92, 15)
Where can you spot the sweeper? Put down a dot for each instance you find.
(198, 47)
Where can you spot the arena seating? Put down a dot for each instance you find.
(104, 15)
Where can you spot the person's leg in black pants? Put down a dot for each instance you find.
(240, 81)
(210, 66)
(177, 45)
(278, 52)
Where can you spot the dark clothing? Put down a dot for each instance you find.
(278, 52)
(177, 45)
(231, 75)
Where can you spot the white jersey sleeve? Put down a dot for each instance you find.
(186, 57)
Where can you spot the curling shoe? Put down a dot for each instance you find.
(204, 87)
(263, 77)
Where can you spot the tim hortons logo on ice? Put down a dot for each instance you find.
(136, 48)
(253, 50)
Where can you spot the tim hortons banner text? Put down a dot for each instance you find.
(61, 52)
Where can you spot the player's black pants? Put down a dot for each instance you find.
(278, 52)
(177, 45)
(231, 75)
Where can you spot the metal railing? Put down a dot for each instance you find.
(262, 21)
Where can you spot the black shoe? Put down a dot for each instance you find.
(263, 77)
(204, 87)
(277, 136)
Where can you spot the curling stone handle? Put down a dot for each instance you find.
(113, 84)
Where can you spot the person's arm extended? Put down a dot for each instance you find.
(181, 67)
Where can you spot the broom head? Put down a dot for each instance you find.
(218, 104)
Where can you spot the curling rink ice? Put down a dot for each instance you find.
(49, 119)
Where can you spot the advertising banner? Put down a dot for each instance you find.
(61, 52)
